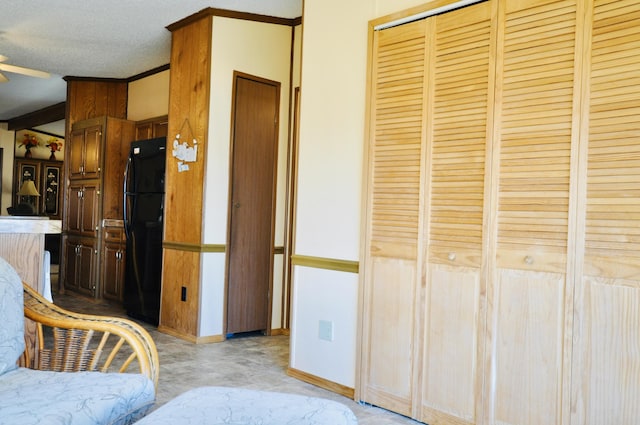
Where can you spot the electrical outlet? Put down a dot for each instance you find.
(183, 294)
(325, 330)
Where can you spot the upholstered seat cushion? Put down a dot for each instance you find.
(30, 397)
(221, 405)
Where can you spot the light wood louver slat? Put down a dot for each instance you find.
(536, 129)
(458, 139)
(613, 176)
(396, 149)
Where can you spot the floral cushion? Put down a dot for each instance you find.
(220, 405)
(11, 318)
(30, 397)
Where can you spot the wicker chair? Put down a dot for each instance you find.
(51, 362)
(71, 342)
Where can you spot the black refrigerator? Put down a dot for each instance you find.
(143, 225)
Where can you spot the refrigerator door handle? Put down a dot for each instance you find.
(125, 209)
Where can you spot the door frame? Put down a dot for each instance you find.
(237, 75)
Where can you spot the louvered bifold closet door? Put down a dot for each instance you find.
(535, 126)
(391, 273)
(607, 341)
(459, 104)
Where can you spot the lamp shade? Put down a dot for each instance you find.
(28, 189)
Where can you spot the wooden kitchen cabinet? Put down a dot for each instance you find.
(113, 263)
(152, 128)
(85, 152)
(96, 158)
(82, 212)
(81, 260)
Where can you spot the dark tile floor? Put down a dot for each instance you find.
(256, 362)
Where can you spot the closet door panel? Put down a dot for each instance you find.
(607, 367)
(451, 363)
(390, 273)
(459, 96)
(528, 347)
(607, 343)
(391, 337)
(529, 296)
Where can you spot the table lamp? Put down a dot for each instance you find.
(28, 189)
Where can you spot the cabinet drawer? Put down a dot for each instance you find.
(113, 234)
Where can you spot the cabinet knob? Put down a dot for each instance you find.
(451, 256)
(528, 259)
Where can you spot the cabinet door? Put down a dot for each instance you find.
(112, 271)
(86, 268)
(51, 195)
(71, 263)
(82, 211)
(89, 210)
(76, 154)
(74, 208)
(25, 170)
(84, 153)
(92, 152)
(160, 129)
(144, 131)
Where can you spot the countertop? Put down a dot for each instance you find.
(29, 224)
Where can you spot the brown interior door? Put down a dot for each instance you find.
(251, 209)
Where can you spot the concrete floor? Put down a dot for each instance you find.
(256, 362)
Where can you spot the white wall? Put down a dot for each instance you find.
(387, 7)
(149, 97)
(263, 50)
(55, 127)
(334, 56)
(7, 142)
(329, 296)
(334, 59)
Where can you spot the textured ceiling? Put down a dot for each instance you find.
(95, 38)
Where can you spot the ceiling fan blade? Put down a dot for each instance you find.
(24, 71)
(3, 79)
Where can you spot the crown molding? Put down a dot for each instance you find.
(41, 116)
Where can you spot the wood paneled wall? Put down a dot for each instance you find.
(91, 98)
(189, 117)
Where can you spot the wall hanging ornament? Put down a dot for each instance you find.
(182, 151)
